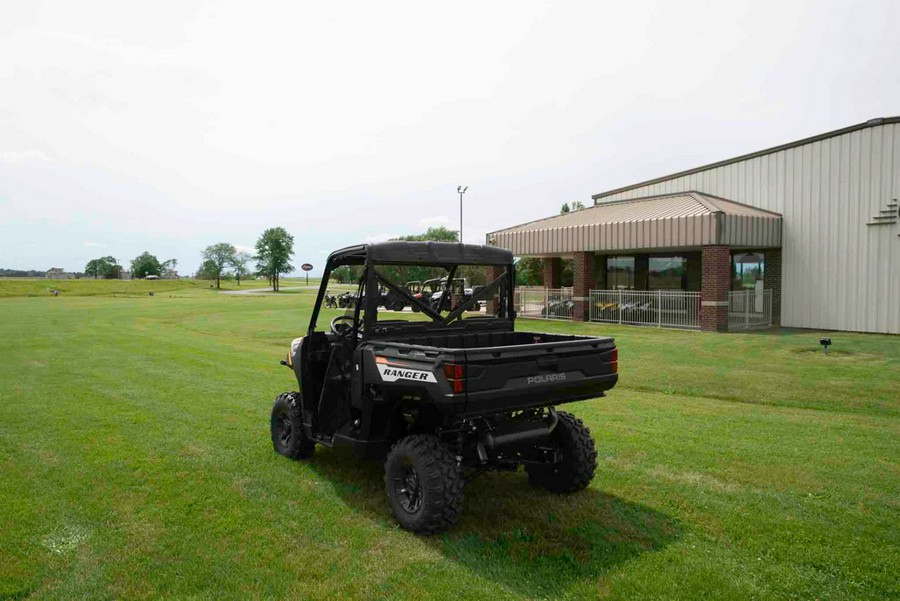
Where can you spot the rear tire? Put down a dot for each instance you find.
(424, 484)
(288, 436)
(579, 458)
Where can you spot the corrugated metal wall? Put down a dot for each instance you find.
(837, 272)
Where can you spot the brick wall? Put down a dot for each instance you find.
(552, 271)
(714, 288)
(772, 281)
(583, 281)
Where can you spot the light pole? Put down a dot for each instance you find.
(461, 191)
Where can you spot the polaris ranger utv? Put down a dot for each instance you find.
(441, 397)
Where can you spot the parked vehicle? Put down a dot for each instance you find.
(346, 299)
(558, 307)
(329, 301)
(459, 290)
(390, 300)
(444, 400)
(414, 288)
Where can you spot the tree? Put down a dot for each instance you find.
(346, 274)
(93, 268)
(167, 268)
(221, 255)
(529, 271)
(145, 264)
(239, 264)
(418, 272)
(342, 274)
(575, 206)
(273, 254)
(207, 271)
(104, 267)
(433, 234)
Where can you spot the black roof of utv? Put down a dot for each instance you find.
(422, 253)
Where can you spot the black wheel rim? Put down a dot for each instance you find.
(408, 489)
(284, 430)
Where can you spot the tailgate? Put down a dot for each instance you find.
(535, 375)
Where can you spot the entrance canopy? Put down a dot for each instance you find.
(670, 221)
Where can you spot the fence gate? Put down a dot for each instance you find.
(749, 309)
(544, 303)
(659, 308)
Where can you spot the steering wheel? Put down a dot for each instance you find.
(342, 325)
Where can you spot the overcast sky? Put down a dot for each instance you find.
(169, 126)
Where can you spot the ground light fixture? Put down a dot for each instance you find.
(825, 342)
(461, 190)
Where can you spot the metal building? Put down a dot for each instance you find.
(820, 217)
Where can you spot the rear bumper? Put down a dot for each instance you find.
(521, 393)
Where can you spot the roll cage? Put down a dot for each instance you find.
(449, 256)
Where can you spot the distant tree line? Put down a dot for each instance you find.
(274, 249)
(21, 273)
(145, 264)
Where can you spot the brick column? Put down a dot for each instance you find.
(716, 283)
(552, 272)
(581, 286)
(492, 273)
(772, 281)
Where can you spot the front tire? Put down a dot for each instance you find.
(579, 458)
(286, 425)
(424, 484)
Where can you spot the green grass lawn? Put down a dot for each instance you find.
(15, 287)
(135, 462)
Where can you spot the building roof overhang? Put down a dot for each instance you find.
(670, 221)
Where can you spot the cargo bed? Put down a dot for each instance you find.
(506, 370)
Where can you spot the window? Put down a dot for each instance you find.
(667, 273)
(620, 273)
(747, 269)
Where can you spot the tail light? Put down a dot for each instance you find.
(456, 375)
(614, 361)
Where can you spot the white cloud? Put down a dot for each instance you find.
(94, 244)
(14, 157)
(382, 237)
(245, 249)
(323, 252)
(432, 221)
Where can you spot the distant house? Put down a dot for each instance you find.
(56, 273)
